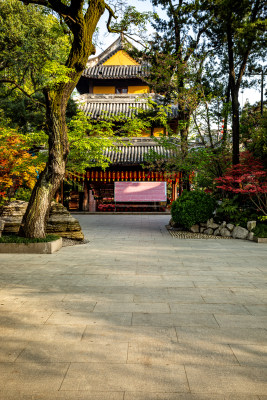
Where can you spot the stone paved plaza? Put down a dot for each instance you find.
(135, 315)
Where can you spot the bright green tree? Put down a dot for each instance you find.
(237, 30)
(76, 21)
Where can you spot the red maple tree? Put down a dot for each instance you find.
(249, 178)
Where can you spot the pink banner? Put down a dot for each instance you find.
(140, 191)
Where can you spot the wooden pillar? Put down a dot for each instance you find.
(85, 197)
(92, 202)
(180, 184)
(174, 191)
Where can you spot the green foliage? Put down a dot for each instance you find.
(19, 239)
(235, 210)
(88, 140)
(206, 163)
(33, 46)
(260, 230)
(133, 21)
(192, 208)
(23, 194)
(253, 128)
(230, 210)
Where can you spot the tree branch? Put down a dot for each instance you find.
(4, 80)
(111, 15)
(55, 5)
(76, 5)
(198, 129)
(192, 48)
(135, 40)
(249, 45)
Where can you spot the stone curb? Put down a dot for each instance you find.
(32, 248)
(259, 240)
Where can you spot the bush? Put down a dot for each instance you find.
(23, 194)
(192, 208)
(260, 230)
(233, 210)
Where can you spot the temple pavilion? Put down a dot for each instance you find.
(114, 83)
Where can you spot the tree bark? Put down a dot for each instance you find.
(35, 218)
(234, 94)
(235, 125)
(225, 115)
(82, 26)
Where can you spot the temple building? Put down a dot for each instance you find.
(114, 84)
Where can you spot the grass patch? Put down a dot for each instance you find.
(19, 239)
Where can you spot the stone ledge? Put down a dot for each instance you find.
(259, 240)
(32, 248)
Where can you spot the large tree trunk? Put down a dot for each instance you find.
(225, 115)
(82, 25)
(235, 125)
(234, 88)
(184, 123)
(35, 218)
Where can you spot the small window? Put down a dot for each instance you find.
(121, 90)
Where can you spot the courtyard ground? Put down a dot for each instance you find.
(135, 315)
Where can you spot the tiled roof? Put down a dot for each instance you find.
(107, 109)
(136, 151)
(116, 71)
(98, 105)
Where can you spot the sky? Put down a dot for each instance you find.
(106, 39)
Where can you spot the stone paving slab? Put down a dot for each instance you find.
(250, 355)
(186, 353)
(143, 334)
(42, 352)
(56, 395)
(31, 377)
(241, 321)
(47, 333)
(132, 307)
(126, 377)
(183, 396)
(174, 319)
(234, 309)
(135, 314)
(89, 318)
(201, 336)
(228, 379)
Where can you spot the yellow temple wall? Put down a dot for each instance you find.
(104, 90)
(158, 131)
(138, 89)
(121, 58)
